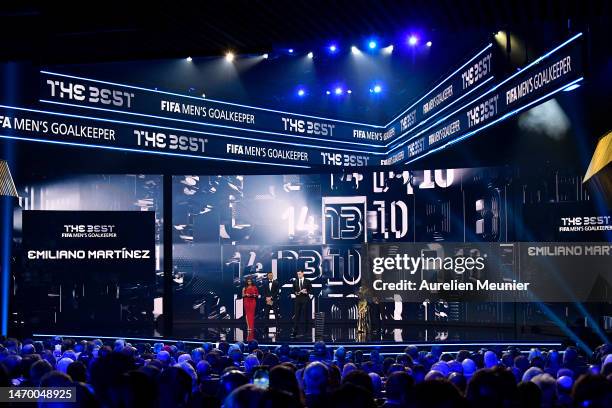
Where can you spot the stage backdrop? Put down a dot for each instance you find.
(229, 227)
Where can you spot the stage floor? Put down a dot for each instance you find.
(451, 335)
(346, 334)
(390, 340)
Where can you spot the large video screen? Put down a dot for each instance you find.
(227, 228)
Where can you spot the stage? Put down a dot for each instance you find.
(393, 339)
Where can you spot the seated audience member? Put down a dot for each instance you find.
(77, 371)
(548, 386)
(564, 391)
(458, 380)
(229, 382)
(316, 378)
(245, 396)
(335, 378)
(592, 391)
(490, 359)
(359, 378)
(418, 373)
(283, 378)
(55, 379)
(529, 395)
(350, 396)
(276, 398)
(492, 388)
(397, 389)
(437, 394)
(348, 368)
(250, 362)
(530, 373)
(376, 384)
(38, 370)
(175, 387)
(433, 375)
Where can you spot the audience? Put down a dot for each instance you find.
(120, 374)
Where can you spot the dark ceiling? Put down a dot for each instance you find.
(57, 32)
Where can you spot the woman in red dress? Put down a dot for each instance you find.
(249, 300)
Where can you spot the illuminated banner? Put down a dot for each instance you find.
(42, 126)
(68, 90)
(470, 77)
(534, 84)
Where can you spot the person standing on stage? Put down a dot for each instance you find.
(302, 289)
(249, 301)
(271, 293)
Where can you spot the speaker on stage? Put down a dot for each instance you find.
(8, 200)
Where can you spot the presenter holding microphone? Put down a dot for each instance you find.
(249, 301)
(302, 289)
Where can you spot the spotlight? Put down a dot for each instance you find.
(388, 49)
(301, 92)
(310, 55)
(265, 56)
(413, 40)
(189, 59)
(338, 91)
(229, 56)
(354, 50)
(428, 43)
(333, 48)
(290, 50)
(377, 89)
(349, 92)
(372, 45)
(327, 92)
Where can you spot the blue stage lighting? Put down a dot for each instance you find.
(377, 89)
(189, 59)
(301, 92)
(265, 56)
(572, 87)
(333, 48)
(372, 44)
(327, 92)
(290, 50)
(428, 43)
(355, 50)
(338, 91)
(310, 55)
(349, 92)
(413, 40)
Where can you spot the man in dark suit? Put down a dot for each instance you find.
(270, 292)
(302, 289)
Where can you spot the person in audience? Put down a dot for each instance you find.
(316, 379)
(397, 390)
(548, 386)
(350, 396)
(529, 395)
